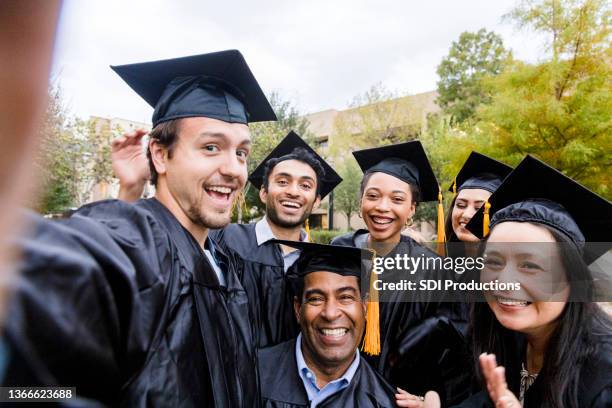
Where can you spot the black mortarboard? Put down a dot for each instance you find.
(345, 261)
(406, 161)
(218, 85)
(286, 147)
(482, 172)
(535, 192)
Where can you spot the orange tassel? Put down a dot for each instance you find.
(371, 340)
(307, 230)
(485, 220)
(441, 234)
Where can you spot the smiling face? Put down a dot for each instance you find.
(467, 203)
(386, 206)
(291, 193)
(525, 253)
(331, 315)
(200, 180)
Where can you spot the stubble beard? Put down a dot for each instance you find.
(273, 216)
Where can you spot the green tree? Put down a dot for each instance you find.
(346, 195)
(265, 136)
(559, 110)
(470, 59)
(60, 157)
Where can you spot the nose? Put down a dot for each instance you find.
(331, 311)
(232, 167)
(293, 189)
(382, 205)
(468, 213)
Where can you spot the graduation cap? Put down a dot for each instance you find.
(344, 261)
(217, 85)
(535, 192)
(284, 149)
(481, 172)
(405, 161)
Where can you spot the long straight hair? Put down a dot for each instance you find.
(573, 341)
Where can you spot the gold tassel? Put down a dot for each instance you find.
(455, 187)
(371, 340)
(485, 219)
(307, 230)
(441, 234)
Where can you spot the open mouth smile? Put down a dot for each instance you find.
(381, 220)
(220, 193)
(510, 302)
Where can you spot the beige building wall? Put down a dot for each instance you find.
(409, 110)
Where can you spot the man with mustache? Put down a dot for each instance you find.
(323, 367)
(291, 181)
(133, 304)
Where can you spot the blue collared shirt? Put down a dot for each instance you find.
(316, 395)
(264, 233)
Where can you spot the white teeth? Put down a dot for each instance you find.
(511, 302)
(290, 204)
(379, 220)
(334, 332)
(219, 189)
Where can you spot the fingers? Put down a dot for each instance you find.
(499, 381)
(432, 400)
(128, 138)
(405, 399)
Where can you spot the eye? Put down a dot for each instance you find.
(211, 148)
(371, 196)
(530, 266)
(346, 299)
(315, 300)
(242, 153)
(460, 205)
(493, 262)
(306, 186)
(282, 182)
(399, 199)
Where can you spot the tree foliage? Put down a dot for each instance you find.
(346, 195)
(59, 159)
(470, 59)
(559, 110)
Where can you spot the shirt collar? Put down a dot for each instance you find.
(303, 369)
(264, 233)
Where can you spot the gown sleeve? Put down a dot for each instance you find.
(80, 315)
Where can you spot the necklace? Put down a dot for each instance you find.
(527, 381)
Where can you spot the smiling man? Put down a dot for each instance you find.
(132, 304)
(323, 367)
(291, 180)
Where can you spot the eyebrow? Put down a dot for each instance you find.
(283, 174)
(466, 200)
(220, 135)
(313, 292)
(346, 289)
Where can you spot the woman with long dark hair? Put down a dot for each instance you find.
(414, 330)
(553, 344)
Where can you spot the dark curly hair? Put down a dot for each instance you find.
(299, 154)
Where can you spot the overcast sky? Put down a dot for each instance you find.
(319, 54)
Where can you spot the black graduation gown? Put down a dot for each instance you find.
(594, 383)
(120, 302)
(422, 348)
(261, 272)
(282, 387)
